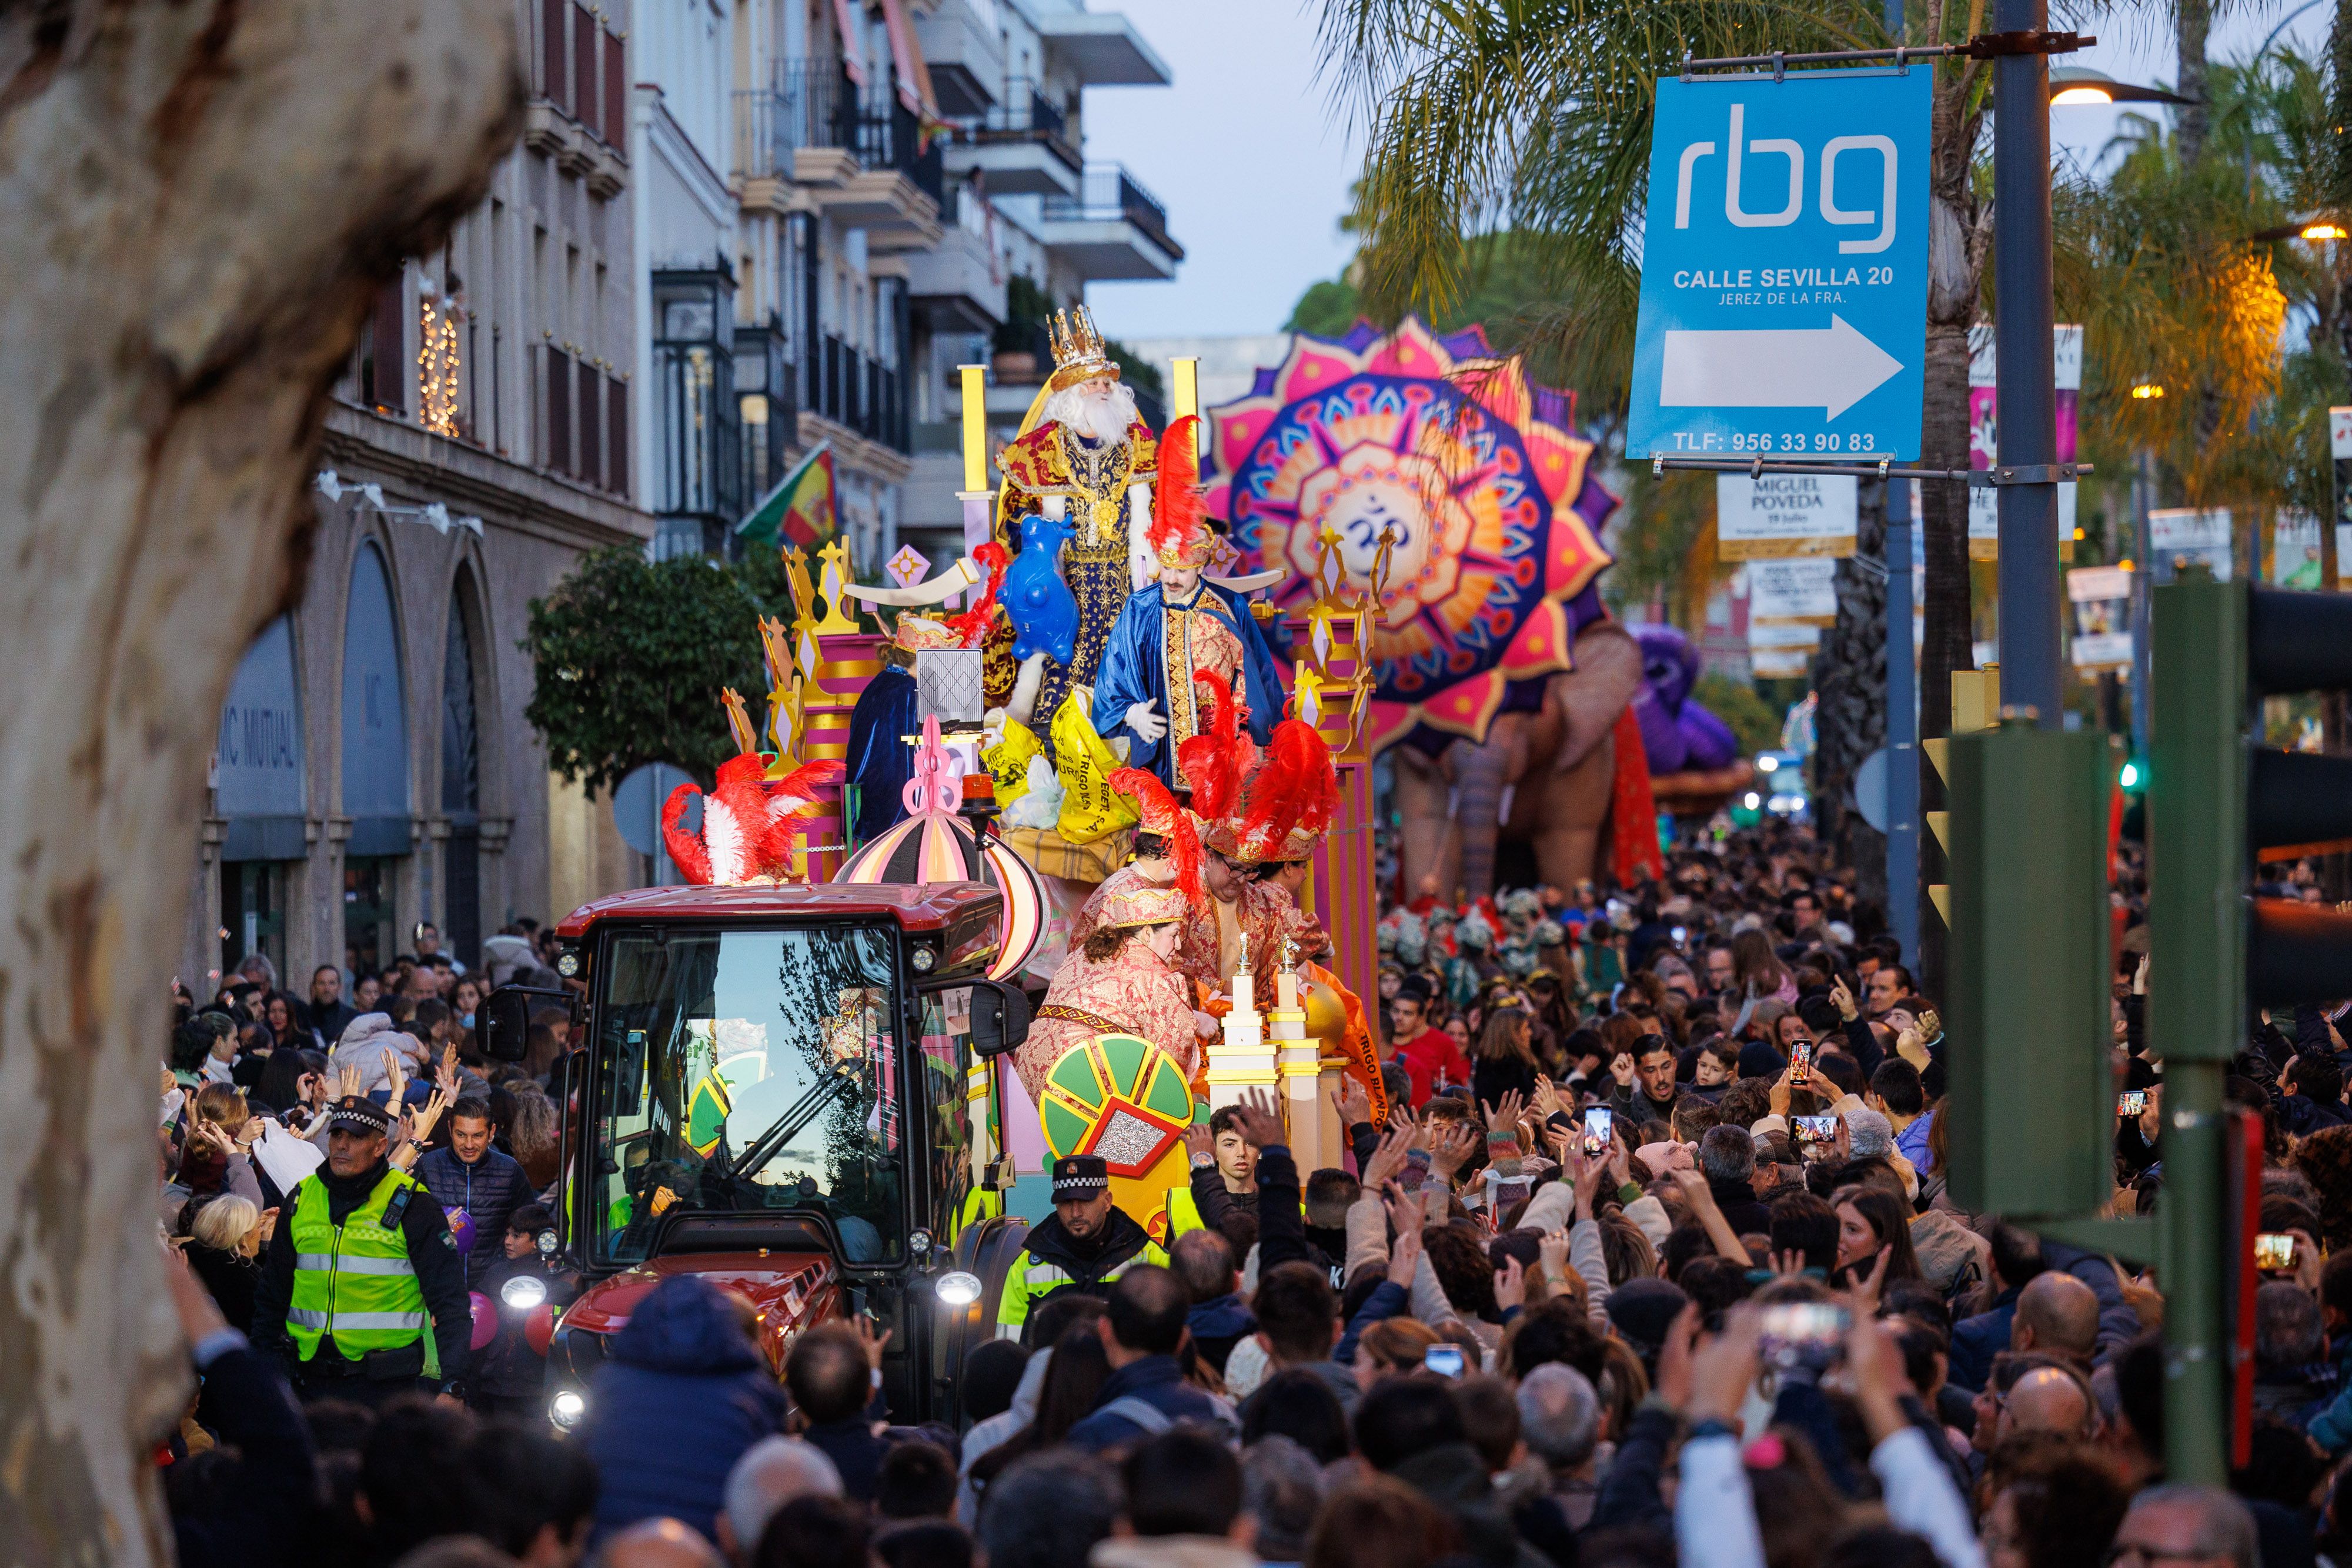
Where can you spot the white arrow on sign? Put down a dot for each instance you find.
(1833, 368)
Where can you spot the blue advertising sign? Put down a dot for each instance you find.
(259, 748)
(1784, 267)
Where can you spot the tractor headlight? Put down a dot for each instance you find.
(567, 1408)
(523, 1292)
(957, 1288)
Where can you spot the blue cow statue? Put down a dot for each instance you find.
(1044, 613)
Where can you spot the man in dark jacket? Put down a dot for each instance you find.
(1218, 1318)
(509, 1378)
(354, 1358)
(1146, 1392)
(2016, 1259)
(683, 1394)
(258, 1511)
(470, 1175)
(1409, 1427)
(830, 1376)
(1087, 1243)
(1726, 1157)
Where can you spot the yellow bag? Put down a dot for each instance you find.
(1008, 761)
(1091, 809)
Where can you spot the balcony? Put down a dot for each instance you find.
(858, 393)
(865, 161)
(955, 285)
(1111, 230)
(1021, 147)
(1101, 48)
(961, 44)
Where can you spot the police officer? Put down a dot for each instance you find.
(1085, 1246)
(360, 1271)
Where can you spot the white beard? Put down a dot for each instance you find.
(1090, 414)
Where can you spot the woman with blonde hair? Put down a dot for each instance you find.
(225, 1238)
(1392, 1347)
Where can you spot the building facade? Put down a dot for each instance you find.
(885, 189)
(374, 768)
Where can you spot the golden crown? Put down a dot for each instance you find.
(1078, 347)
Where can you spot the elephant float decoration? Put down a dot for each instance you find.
(1459, 491)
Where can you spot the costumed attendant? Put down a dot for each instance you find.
(1181, 630)
(1166, 850)
(881, 756)
(1252, 810)
(1119, 981)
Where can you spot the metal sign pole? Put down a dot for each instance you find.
(1902, 734)
(2027, 402)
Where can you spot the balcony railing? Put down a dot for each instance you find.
(860, 393)
(1026, 115)
(813, 104)
(1107, 192)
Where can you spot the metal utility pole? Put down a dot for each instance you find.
(2025, 465)
(1902, 704)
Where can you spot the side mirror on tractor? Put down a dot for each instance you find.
(1000, 1017)
(505, 1019)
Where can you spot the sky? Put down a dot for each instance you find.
(1244, 153)
(1253, 166)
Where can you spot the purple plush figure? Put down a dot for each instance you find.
(1676, 733)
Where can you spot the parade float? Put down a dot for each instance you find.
(1397, 549)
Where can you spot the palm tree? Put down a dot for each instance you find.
(1536, 115)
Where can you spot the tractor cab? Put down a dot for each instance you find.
(770, 1087)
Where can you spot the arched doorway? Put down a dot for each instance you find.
(461, 779)
(375, 765)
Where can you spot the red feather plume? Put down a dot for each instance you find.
(787, 797)
(1216, 761)
(971, 625)
(1177, 510)
(1298, 788)
(685, 849)
(1162, 816)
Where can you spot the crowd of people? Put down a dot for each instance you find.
(1652, 1261)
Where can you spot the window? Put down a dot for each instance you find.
(745, 1070)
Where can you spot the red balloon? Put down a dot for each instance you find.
(486, 1318)
(539, 1328)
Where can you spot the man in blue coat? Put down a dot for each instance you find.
(1181, 626)
(1146, 1392)
(685, 1393)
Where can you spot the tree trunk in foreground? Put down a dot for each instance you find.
(198, 199)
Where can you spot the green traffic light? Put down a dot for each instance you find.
(2129, 777)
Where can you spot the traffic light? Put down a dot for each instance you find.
(2215, 799)
(1976, 704)
(2028, 1006)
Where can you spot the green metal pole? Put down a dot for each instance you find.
(2197, 838)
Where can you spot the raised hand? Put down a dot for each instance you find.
(446, 1076)
(1510, 1285)
(395, 1077)
(1841, 998)
(1551, 1254)
(1259, 1114)
(1200, 1145)
(1620, 1068)
(1547, 1099)
(1388, 1158)
(1453, 1149)
(1404, 1258)
(872, 1338)
(1353, 1105)
(1722, 1369)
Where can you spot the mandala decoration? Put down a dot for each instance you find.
(1440, 469)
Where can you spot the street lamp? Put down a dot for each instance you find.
(2072, 85)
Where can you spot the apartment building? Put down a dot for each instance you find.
(881, 193)
(373, 768)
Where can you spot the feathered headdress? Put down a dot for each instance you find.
(1295, 793)
(749, 822)
(1162, 816)
(1179, 534)
(1215, 761)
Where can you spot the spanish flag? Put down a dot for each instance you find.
(801, 509)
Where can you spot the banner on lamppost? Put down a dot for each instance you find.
(2101, 596)
(1776, 517)
(1984, 436)
(2339, 448)
(1781, 651)
(2179, 535)
(1799, 592)
(2294, 552)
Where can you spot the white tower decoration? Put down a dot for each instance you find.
(1244, 1059)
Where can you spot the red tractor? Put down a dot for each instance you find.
(770, 1088)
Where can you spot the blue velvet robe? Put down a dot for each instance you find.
(1134, 669)
(879, 762)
